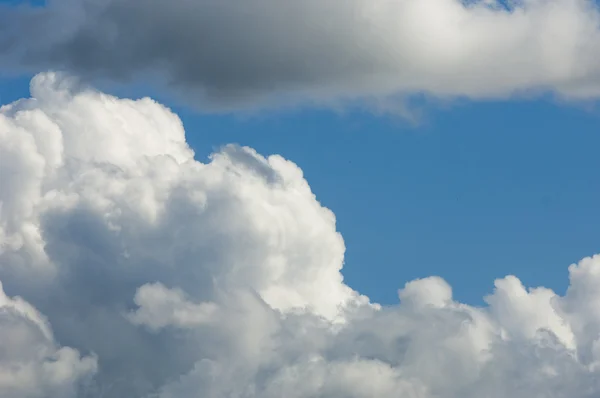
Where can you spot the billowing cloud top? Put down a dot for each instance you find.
(237, 53)
(129, 269)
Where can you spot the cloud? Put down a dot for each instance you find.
(146, 273)
(32, 365)
(239, 54)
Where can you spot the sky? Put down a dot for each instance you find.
(514, 179)
(304, 199)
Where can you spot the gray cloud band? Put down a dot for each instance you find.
(232, 54)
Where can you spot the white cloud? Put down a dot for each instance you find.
(31, 363)
(156, 273)
(231, 54)
(160, 307)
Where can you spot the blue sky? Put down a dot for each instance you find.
(476, 192)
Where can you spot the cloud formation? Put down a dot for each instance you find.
(232, 54)
(146, 273)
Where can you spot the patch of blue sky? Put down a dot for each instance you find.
(478, 192)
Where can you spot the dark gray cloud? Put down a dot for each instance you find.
(270, 52)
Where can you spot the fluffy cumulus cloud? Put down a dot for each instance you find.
(234, 53)
(31, 362)
(130, 269)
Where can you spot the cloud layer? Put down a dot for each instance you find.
(231, 54)
(145, 273)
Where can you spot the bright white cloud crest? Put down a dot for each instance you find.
(160, 276)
